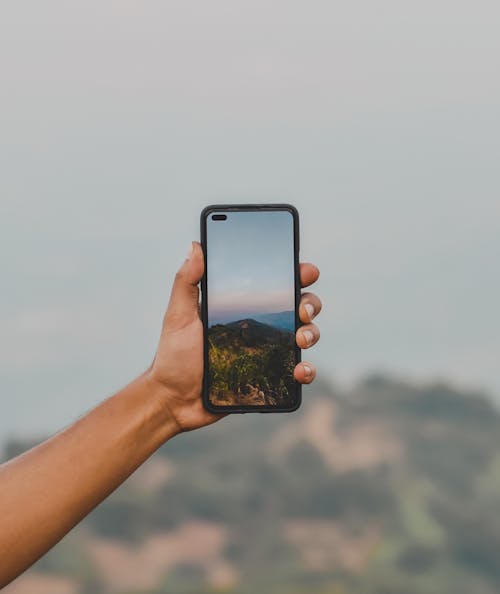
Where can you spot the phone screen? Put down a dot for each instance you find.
(250, 308)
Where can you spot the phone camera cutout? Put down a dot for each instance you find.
(219, 217)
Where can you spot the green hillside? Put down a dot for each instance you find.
(251, 363)
(390, 489)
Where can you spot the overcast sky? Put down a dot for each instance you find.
(120, 120)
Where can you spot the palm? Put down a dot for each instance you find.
(179, 362)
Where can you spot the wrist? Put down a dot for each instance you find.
(157, 413)
(161, 397)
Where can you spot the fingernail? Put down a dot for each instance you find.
(307, 370)
(309, 307)
(308, 335)
(190, 251)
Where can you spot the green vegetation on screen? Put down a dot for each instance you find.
(250, 363)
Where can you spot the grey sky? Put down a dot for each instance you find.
(120, 120)
(250, 265)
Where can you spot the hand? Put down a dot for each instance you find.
(178, 365)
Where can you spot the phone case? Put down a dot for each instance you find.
(248, 362)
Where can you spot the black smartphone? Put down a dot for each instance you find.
(250, 301)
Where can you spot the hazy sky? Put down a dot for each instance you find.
(250, 265)
(120, 120)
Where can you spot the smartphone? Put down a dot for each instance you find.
(250, 298)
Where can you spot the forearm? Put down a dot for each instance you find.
(49, 489)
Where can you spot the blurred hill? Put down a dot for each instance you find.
(390, 489)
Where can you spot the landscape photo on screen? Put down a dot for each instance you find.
(251, 309)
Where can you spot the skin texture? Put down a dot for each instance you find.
(46, 491)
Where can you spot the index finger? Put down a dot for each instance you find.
(309, 274)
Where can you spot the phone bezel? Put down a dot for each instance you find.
(205, 213)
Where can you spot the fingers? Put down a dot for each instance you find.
(196, 265)
(304, 372)
(309, 308)
(183, 304)
(309, 274)
(307, 335)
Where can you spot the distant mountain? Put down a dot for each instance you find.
(390, 488)
(247, 332)
(285, 320)
(282, 319)
(258, 327)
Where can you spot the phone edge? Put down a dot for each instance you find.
(204, 306)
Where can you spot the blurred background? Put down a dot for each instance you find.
(380, 121)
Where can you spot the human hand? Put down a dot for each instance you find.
(177, 368)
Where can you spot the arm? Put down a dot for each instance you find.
(46, 491)
(49, 489)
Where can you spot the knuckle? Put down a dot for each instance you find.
(179, 275)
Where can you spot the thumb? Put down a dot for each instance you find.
(183, 304)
